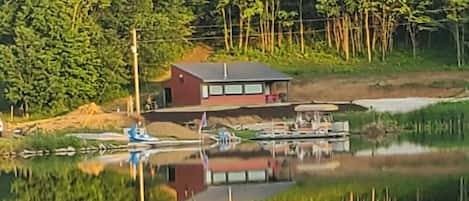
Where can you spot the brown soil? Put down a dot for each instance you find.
(415, 84)
(170, 157)
(200, 53)
(91, 116)
(231, 121)
(171, 130)
(88, 116)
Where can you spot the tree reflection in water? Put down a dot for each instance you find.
(61, 179)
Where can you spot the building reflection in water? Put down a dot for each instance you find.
(186, 173)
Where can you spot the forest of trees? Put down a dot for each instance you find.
(353, 28)
(58, 54)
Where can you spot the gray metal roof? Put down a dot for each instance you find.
(236, 72)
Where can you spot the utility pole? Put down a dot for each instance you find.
(135, 65)
(140, 181)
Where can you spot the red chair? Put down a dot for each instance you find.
(272, 98)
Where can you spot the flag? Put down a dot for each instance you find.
(203, 122)
(204, 158)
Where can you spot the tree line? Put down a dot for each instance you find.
(58, 54)
(352, 28)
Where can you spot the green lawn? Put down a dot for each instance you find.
(319, 63)
(245, 134)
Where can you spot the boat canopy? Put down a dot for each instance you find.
(316, 108)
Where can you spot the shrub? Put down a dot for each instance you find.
(50, 142)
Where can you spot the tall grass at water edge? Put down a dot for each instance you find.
(439, 112)
(386, 187)
(41, 140)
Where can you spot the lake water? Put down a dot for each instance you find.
(255, 170)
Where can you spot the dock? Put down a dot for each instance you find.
(289, 135)
(182, 115)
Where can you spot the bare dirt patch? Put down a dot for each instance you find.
(415, 84)
(200, 53)
(171, 130)
(231, 121)
(88, 116)
(93, 117)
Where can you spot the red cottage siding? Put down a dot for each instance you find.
(235, 100)
(239, 165)
(185, 92)
(189, 178)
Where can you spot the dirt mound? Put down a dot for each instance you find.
(88, 109)
(95, 122)
(199, 54)
(89, 116)
(170, 130)
(353, 87)
(233, 121)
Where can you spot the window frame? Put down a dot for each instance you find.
(216, 85)
(233, 94)
(257, 93)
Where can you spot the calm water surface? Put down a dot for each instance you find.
(179, 173)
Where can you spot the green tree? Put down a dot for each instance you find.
(418, 19)
(254, 7)
(457, 16)
(287, 20)
(52, 62)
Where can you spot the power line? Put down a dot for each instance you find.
(323, 19)
(256, 34)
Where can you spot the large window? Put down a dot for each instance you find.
(216, 90)
(233, 89)
(253, 89)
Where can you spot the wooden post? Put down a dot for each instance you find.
(373, 194)
(131, 101)
(351, 196)
(387, 194)
(141, 183)
(230, 197)
(417, 198)
(128, 106)
(11, 112)
(461, 189)
(135, 65)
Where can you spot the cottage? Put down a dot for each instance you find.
(238, 83)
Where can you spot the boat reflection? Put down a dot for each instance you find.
(311, 148)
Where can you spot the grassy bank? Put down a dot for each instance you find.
(245, 134)
(49, 141)
(319, 61)
(395, 187)
(437, 112)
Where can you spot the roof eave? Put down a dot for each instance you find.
(249, 80)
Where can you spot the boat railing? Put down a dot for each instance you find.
(278, 128)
